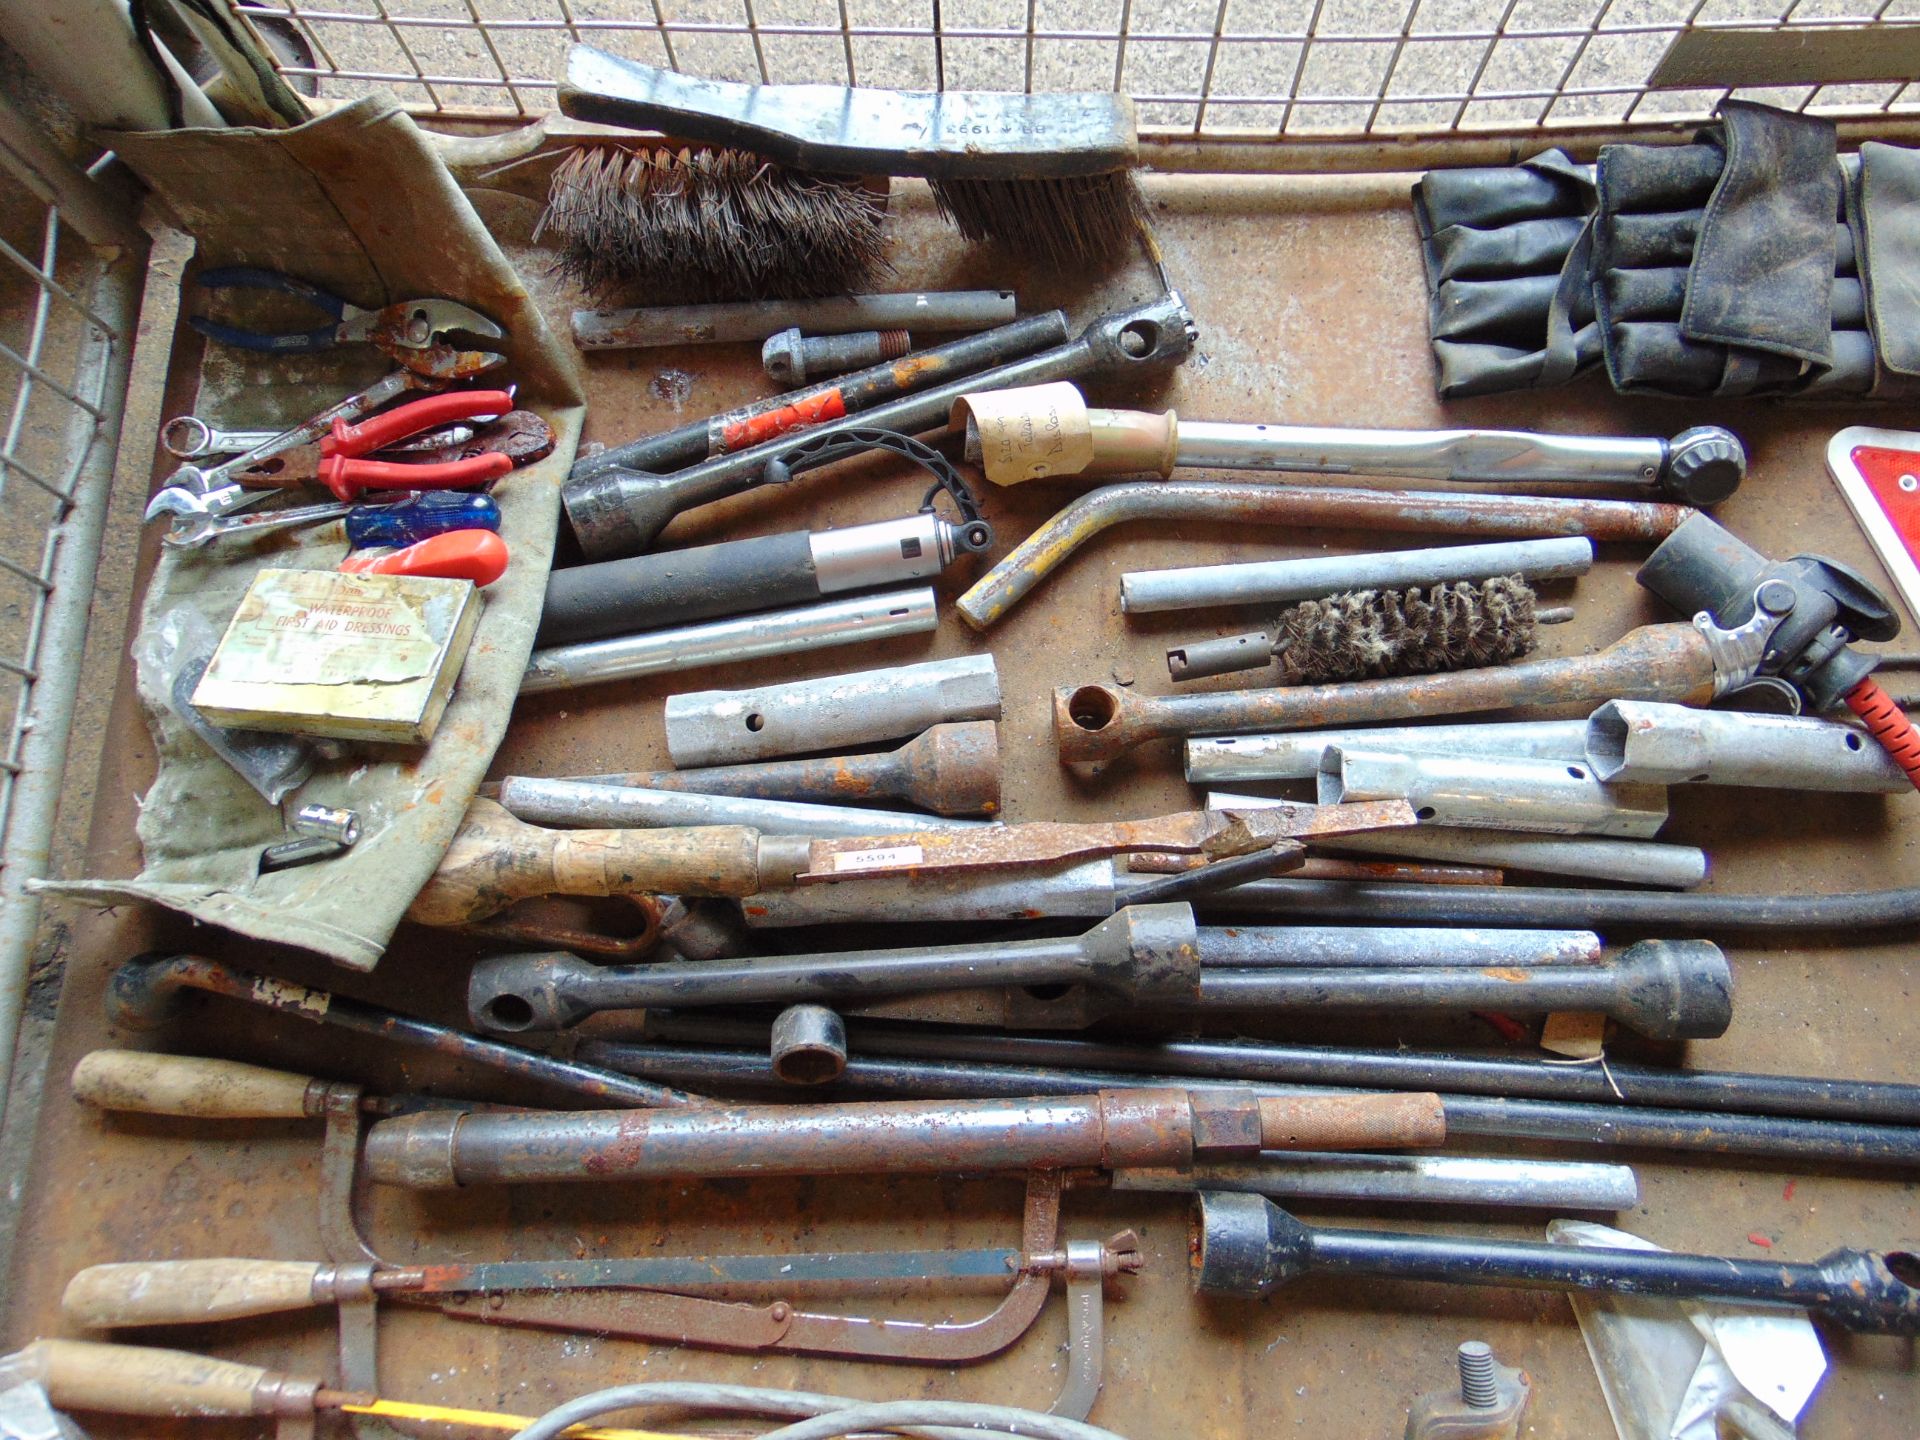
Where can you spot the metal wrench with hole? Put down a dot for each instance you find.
(188, 437)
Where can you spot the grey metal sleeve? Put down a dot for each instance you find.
(1261, 947)
(1295, 755)
(577, 803)
(1541, 795)
(1422, 454)
(1439, 1179)
(1282, 581)
(757, 319)
(1637, 740)
(671, 587)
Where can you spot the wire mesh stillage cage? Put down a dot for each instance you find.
(1201, 68)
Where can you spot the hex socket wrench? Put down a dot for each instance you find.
(950, 769)
(671, 587)
(1545, 796)
(724, 727)
(1701, 466)
(620, 512)
(1113, 1128)
(1245, 1245)
(1639, 740)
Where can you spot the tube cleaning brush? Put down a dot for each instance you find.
(1368, 634)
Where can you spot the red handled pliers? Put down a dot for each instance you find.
(344, 473)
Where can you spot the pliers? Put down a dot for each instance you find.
(346, 474)
(409, 332)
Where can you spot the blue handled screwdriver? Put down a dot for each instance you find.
(432, 512)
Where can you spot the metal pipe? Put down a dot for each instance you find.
(1243, 503)
(756, 319)
(1843, 915)
(951, 769)
(1404, 1179)
(1296, 755)
(1094, 724)
(1262, 582)
(723, 727)
(808, 1045)
(761, 421)
(731, 642)
(1637, 740)
(1147, 954)
(1595, 857)
(1546, 796)
(1664, 989)
(620, 512)
(1611, 1125)
(582, 805)
(1261, 947)
(1088, 890)
(1110, 1129)
(1614, 1084)
(1247, 1246)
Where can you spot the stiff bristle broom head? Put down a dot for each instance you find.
(710, 224)
(1075, 222)
(1369, 634)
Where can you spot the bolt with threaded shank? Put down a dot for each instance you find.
(1478, 1387)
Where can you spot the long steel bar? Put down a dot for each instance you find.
(578, 803)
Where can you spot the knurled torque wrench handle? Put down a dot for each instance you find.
(1247, 1246)
(1095, 723)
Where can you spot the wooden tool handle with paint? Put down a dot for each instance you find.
(190, 1292)
(495, 860)
(137, 1380)
(191, 1085)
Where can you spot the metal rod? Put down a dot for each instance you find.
(763, 420)
(731, 642)
(1260, 947)
(755, 320)
(580, 804)
(721, 727)
(1405, 1179)
(620, 512)
(1296, 755)
(1611, 1125)
(1243, 503)
(1596, 857)
(1640, 741)
(1264, 582)
(143, 990)
(1554, 797)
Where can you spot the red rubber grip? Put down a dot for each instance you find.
(429, 413)
(476, 555)
(1888, 724)
(346, 477)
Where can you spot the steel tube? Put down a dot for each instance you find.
(1596, 857)
(1639, 741)
(1611, 1124)
(757, 319)
(1546, 796)
(1665, 989)
(1243, 503)
(721, 727)
(1087, 891)
(617, 511)
(1262, 947)
(580, 804)
(730, 642)
(1146, 952)
(1296, 755)
(1265, 582)
(1405, 1179)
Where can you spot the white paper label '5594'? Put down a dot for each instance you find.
(879, 859)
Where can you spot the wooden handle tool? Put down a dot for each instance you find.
(189, 1292)
(137, 1380)
(150, 1084)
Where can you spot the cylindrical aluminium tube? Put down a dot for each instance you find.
(1637, 740)
(672, 587)
(1265, 1062)
(724, 727)
(730, 642)
(1545, 796)
(1612, 1125)
(574, 803)
(1242, 503)
(765, 420)
(1664, 989)
(1094, 724)
(1263, 582)
(1506, 1181)
(1100, 1131)
(1296, 755)
(950, 769)
(934, 310)
(1146, 953)
(1261, 947)
(617, 511)
(1594, 857)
